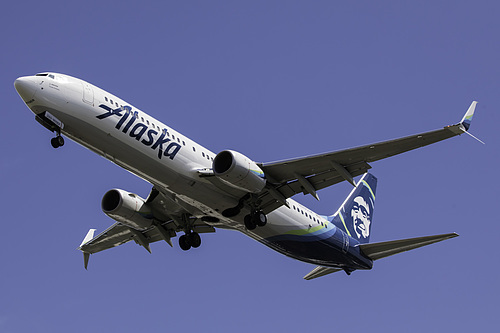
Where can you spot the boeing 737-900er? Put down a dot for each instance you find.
(195, 191)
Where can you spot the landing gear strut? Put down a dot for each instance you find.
(189, 240)
(57, 142)
(255, 219)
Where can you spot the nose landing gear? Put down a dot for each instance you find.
(54, 125)
(57, 142)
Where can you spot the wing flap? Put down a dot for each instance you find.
(376, 251)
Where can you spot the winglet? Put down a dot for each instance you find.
(467, 119)
(89, 236)
(86, 257)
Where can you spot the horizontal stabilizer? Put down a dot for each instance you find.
(376, 251)
(320, 271)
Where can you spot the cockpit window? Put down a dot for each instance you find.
(46, 74)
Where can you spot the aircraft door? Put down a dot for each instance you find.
(88, 93)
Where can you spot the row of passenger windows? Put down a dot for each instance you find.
(310, 216)
(165, 132)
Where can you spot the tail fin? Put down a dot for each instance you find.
(356, 213)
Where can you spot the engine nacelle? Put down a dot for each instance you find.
(127, 208)
(239, 171)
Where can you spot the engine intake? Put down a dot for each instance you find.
(237, 170)
(127, 208)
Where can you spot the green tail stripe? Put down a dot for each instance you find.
(343, 222)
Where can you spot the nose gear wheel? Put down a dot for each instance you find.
(57, 142)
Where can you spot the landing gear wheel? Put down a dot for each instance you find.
(259, 218)
(249, 222)
(194, 239)
(184, 243)
(57, 142)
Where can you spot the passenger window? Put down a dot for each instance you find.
(111, 101)
(105, 98)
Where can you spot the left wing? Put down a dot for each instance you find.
(312, 173)
(165, 229)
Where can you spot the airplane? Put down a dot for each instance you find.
(195, 191)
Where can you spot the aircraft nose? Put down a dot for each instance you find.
(26, 87)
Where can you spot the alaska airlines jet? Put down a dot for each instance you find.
(195, 191)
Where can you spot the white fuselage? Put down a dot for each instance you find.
(141, 144)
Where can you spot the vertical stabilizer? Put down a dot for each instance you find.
(356, 213)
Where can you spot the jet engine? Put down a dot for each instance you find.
(127, 208)
(238, 171)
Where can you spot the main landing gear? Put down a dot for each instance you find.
(255, 219)
(57, 142)
(189, 240)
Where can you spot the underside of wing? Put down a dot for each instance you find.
(354, 158)
(115, 235)
(311, 173)
(164, 224)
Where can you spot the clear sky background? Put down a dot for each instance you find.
(273, 80)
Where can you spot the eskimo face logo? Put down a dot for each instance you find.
(141, 132)
(361, 219)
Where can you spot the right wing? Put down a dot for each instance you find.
(312, 173)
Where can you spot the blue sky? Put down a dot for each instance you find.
(273, 80)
